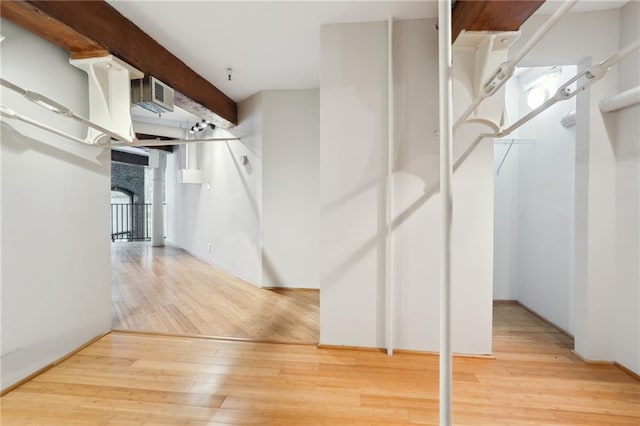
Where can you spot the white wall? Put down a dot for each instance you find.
(353, 118)
(584, 38)
(540, 173)
(290, 188)
(261, 218)
(505, 224)
(505, 267)
(624, 129)
(56, 285)
(352, 128)
(225, 211)
(546, 211)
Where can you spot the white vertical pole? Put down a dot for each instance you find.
(446, 174)
(158, 161)
(389, 290)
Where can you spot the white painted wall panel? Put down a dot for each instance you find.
(353, 96)
(625, 124)
(353, 119)
(290, 188)
(56, 280)
(545, 232)
(224, 211)
(261, 218)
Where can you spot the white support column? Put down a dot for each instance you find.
(389, 287)
(446, 175)
(158, 162)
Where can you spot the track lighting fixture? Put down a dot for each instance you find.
(200, 126)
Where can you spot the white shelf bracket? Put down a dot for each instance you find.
(109, 95)
(479, 71)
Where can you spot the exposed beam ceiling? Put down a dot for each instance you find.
(269, 44)
(94, 28)
(98, 27)
(491, 15)
(49, 29)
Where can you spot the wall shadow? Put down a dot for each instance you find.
(19, 143)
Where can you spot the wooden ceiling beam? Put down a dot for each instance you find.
(31, 18)
(491, 15)
(94, 28)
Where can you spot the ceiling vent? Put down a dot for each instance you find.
(152, 94)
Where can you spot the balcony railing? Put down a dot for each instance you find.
(130, 222)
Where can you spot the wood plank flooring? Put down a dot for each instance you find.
(128, 379)
(166, 290)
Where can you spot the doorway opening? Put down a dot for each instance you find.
(166, 289)
(131, 212)
(534, 199)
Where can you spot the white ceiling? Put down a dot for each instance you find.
(269, 45)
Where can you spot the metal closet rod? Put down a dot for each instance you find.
(53, 106)
(505, 71)
(513, 140)
(160, 142)
(565, 92)
(621, 100)
(12, 115)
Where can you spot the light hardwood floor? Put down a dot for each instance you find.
(166, 290)
(128, 379)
